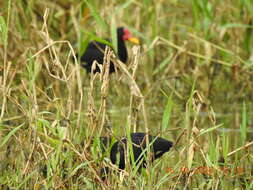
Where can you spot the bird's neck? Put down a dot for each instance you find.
(122, 51)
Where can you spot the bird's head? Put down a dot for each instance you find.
(161, 146)
(125, 34)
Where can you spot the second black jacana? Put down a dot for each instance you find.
(95, 50)
(158, 146)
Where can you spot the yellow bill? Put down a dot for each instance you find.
(134, 40)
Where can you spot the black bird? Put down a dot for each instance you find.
(158, 147)
(95, 50)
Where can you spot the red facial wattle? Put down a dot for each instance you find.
(127, 34)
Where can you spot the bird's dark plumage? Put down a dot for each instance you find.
(158, 147)
(95, 51)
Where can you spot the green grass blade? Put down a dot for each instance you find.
(96, 15)
(83, 42)
(5, 139)
(3, 31)
(26, 179)
(209, 129)
(129, 141)
(167, 113)
(243, 126)
(114, 35)
(78, 167)
(162, 65)
(123, 6)
(235, 25)
(225, 145)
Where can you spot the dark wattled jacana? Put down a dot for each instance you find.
(95, 50)
(158, 146)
